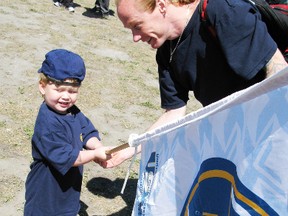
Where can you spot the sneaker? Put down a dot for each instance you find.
(101, 15)
(71, 9)
(57, 4)
(95, 9)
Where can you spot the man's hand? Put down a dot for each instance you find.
(118, 158)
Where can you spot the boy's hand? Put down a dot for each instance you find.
(100, 154)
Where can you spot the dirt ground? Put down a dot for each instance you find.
(119, 94)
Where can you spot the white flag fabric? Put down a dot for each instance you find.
(229, 158)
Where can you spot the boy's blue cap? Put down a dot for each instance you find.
(60, 64)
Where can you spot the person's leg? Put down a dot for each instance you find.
(97, 4)
(96, 8)
(69, 5)
(104, 7)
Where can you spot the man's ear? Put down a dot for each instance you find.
(162, 4)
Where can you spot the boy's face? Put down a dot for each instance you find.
(59, 97)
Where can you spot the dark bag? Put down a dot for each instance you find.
(274, 15)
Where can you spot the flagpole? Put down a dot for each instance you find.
(117, 148)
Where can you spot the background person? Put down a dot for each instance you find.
(101, 8)
(68, 4)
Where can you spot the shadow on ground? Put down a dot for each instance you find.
(110, 189)
(91, 14)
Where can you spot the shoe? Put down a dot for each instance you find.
(95, 9)
(57, 4)
(101, 15)
(71, 9)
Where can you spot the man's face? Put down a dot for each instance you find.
(147, 26)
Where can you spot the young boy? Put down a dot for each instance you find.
(61, 132)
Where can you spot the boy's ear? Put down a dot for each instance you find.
(41, 87)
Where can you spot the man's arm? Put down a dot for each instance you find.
(125, 154)
(276, 63)
(168, 116)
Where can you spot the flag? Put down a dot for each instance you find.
(229, 158)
